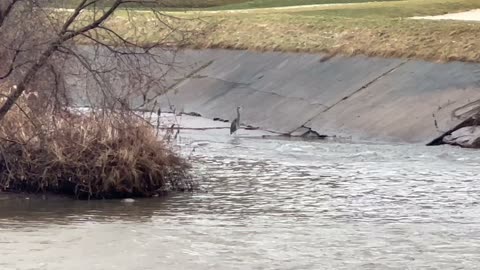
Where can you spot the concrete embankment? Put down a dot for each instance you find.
(391, 100)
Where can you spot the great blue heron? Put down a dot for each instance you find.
(235, 123)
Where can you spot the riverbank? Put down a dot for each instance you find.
(381, 29)
(361, 98)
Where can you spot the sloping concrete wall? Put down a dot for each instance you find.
(359, 97)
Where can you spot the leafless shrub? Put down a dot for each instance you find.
(53, 59)
(86, 155)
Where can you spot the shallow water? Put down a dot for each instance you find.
(268, 204)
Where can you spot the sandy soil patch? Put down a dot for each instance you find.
(472, 15)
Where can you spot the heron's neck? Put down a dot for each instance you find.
(238, 115)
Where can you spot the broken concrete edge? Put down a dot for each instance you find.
(307, 133)
(246, 127)
(440, 140)
(301, 132)
(466, 137)
(304, 133)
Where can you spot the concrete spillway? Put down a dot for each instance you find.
(393, 100)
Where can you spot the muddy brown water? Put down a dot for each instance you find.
(268, 204)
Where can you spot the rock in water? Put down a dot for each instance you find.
(465, 137)
(129, 200)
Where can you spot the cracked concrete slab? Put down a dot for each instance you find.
(358, 97)
(404, 105)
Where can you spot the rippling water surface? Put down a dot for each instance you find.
(268, 204)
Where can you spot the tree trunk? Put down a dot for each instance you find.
(29, 76)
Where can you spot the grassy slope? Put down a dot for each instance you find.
(375, 29)
(397, 9)
(226, 4)
(281, 3)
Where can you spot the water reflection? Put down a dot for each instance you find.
(22, 210)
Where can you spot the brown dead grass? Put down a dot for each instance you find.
(428, 40)
(88, 156)
(372, 29)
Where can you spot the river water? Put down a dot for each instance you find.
(268, 204)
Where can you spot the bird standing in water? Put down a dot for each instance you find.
(235, 123)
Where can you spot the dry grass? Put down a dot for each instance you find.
(373, 29)
(235, 4)
(429, 40)
(222, 4)
(88, 156)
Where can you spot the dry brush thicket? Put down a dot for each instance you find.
(107, 153)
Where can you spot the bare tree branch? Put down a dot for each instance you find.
(12, 98)
(64, 35)
(11, 67)
(118, 68)
(4, 12)
(69, 34)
